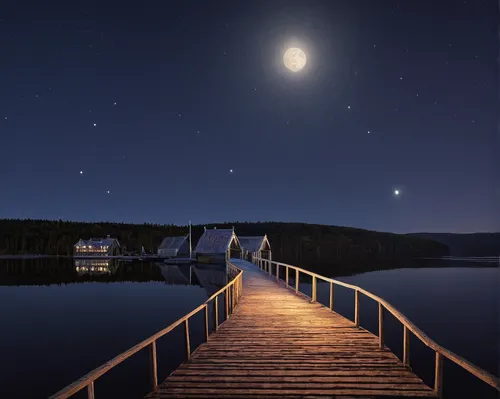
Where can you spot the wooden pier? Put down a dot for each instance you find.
(276, 342)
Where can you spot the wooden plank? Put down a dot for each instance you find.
(294, 373)
(283, 392)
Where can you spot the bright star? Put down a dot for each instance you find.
(95, 124)
(230, 171)
(348, 107)
(396, 192)
(81, 172)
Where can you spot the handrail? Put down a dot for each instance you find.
(233, 291)
(441, 352)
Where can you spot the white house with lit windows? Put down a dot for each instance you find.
(97, 247)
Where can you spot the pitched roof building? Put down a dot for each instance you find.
(258, 245)
(174, 246)
(97, 247)
(215, 245)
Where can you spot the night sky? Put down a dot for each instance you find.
(165, 112)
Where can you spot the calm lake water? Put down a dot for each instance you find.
(59, 322)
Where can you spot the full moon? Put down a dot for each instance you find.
(294, 59)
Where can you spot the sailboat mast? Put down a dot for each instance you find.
(190, 247)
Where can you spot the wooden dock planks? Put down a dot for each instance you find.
(279, 345)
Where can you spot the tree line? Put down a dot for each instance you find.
(296, 243)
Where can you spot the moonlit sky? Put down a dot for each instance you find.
(169, 111)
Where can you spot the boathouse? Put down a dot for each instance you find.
(256, 245)
(172, 247)
(97, 247)
(217, 245)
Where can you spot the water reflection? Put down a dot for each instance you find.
(95, 266)
(65, 300)
(210, 277)
(73, 271)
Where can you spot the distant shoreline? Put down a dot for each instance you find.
(31, 256)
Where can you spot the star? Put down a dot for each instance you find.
(230, 171)
(81, 172)
(114, 103)
(95, 124)
(348, 107)
(368, 132)
(108, 192)
(396, 192)
(197, 132)
(179, 115)
(5, 118)
(400, 78)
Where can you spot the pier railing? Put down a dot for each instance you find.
(441, 353)
(232, 292)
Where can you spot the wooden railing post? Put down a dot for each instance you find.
(153, 366)
(438, 375)
(188, 344)
(237, 292)
(226, 304)
(286, 276)
(231, 303)
(216, 311)
(297, 278)
(380, 326)
(314, 284)
(406, 347)
(90, 390)
(206, 323)
(270, 267)
(356, 308)
(331, 295)
(277, 272)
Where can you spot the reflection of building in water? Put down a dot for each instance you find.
(210, 277)
(173, 274)
(97, 247)
(94, 266)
